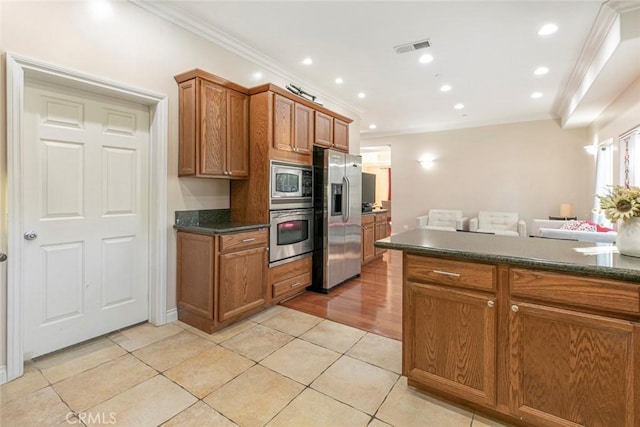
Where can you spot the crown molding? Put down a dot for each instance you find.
(219, 37)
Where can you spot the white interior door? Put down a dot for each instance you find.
(86, 216)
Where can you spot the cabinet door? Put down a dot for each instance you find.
(341, 135)
(195, 273)
(449, 341)
(381, 233)
(283, 114)
(213, 129)
(324, 129)
(303, 129)
(188, 128)
(368, 239)
(242, 281)
(237, 134)
(568, 367)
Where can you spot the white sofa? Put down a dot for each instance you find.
(443, 219)
(500, 223)
(551, 229)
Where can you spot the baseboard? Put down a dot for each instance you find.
(172, 315)
(3, 374)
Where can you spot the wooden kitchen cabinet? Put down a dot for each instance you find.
(323, 130)
(540, 348)
(213, 127)
(368, 239)
(221, 278)
(341, 135)
(570, 368)
(292, 126)
(449, 335)
(287, 280)
(382, 230)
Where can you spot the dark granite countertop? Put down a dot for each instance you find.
(212, 221)
(375, 211)
(594, 259)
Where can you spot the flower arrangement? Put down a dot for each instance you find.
(621, 203)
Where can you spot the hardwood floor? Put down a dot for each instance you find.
(372, 302)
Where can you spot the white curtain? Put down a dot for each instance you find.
(604, 178)
(630, 158)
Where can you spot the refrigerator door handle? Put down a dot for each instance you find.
(347, 195)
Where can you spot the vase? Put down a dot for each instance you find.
(628, 238)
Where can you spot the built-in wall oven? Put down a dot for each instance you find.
(291, 235)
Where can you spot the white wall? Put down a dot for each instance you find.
(622, 115)
(528, 167)
(139, 49)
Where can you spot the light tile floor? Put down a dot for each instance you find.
(279, 368)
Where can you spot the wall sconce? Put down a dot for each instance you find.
(591, 149)
(426, 162)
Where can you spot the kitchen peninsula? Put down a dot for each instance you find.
(536, 331)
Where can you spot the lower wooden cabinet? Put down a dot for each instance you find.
(535, 347)
(374, 227)
(287, 280)
(570, 368)
(220, 278)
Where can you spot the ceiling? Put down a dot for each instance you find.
(486, 51)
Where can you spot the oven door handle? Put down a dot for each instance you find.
(290, 213)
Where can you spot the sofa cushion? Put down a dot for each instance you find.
(444, 217)
(498, 221)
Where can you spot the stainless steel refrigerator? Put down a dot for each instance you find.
(337, 218)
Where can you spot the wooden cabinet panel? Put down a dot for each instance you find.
(598, 294)
(195, 273)
(341, 135)
(241, 286)
(323, 129)
(303, 129)
(368, 238)
(567, 367)
(381, 231)
(187, 110)
(237, 241)
(457, 273)
(290, 278)
(283, 116)
(450, 341)
(213, 128)
(237, 134)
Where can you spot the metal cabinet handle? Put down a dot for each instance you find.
(490, 303)
(295, 285)
(3, 257)
(230, 173)
(446, 273)
(30, 235)
(248, 240)
(515, 308)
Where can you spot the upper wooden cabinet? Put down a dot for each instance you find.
(341, 135)
(214, 127)
(292, 126)
(324, 130)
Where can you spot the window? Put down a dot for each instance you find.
(604, 178)
(630, 162)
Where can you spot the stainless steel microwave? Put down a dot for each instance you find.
(291, 186)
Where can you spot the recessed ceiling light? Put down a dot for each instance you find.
(547, 29)
(536, 95)
(362, 95)
(307, 61)
(445, 88)
(257, 75)
(458, 106)
(101, 9)
(425, 59)
(541, 71)
(339, 80)
(372, 126)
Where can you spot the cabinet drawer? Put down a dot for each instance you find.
(456, 273)
(368, 219)
(599, 294)
(291, 284)
(381, 217)
(290, 269)
(248, 239)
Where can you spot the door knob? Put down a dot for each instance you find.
(3, 257)
(515, 308)
(30, 235)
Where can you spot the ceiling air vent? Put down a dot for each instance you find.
(408, 47)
